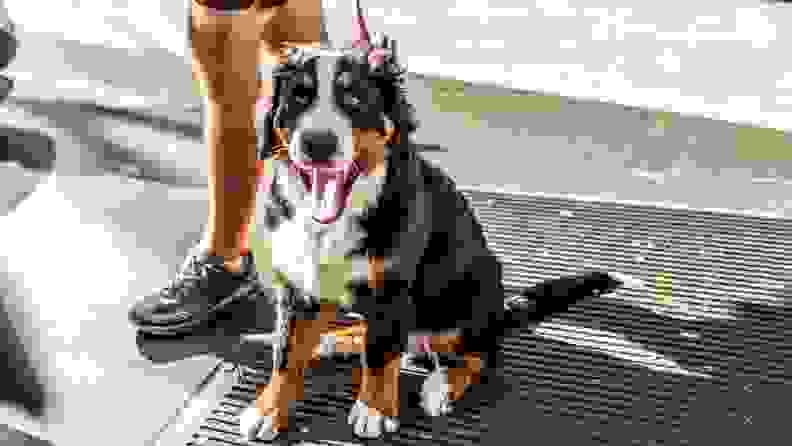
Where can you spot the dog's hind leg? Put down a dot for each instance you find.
(376, 408)
(446, 385)
(479, 343)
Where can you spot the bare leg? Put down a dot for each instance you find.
(225, 50)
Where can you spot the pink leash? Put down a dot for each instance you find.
(424, 344)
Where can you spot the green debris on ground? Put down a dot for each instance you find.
(663, 288)
(762, 144)
(449, 96)
(663, 120)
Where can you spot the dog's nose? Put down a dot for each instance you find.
(318, 144)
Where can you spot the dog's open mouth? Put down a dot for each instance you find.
(329, 183)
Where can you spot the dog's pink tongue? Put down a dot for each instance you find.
(329, 187)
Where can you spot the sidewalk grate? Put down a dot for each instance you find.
(692, 359)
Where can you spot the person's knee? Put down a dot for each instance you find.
(299, 22)
(224, 51)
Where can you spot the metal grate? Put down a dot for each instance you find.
(692, 359)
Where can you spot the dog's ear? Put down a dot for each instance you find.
(380, 53)
(362, 35)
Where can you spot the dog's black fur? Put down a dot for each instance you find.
(449, 277)
(440, 273)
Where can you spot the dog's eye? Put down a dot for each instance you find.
(303, 89)
(351, 100)
(303, 95)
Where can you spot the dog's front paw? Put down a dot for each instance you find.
(435, 394)
(369, 422)
(253, 426)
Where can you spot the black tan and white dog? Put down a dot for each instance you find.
(350, 217)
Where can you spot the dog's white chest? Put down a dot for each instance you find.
(312, 256)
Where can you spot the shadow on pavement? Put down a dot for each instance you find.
(141, 144)
(29, 149)
(563, 391)
(126, 143)
(223, 337)
(6, 87)
(162, 123)
(747, 359)
(12, 437)
(755, 341)
(27, 391)
(9, 44)
(430, 148)
(25, 157)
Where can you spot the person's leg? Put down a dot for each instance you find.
(225, 50)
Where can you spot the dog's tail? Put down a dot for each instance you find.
(536, 303)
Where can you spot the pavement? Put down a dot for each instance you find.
(111, 218)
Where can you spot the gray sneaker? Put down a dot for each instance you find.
(202, 288)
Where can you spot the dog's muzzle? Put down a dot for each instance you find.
(318, 145)
(329, 184)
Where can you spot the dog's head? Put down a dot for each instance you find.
(338, 110)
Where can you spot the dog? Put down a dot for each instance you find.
(350, 218)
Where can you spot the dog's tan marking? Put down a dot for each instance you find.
(376, 272)
(379, 388)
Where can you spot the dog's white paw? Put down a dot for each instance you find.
(435, 392)
(253, 426)
(367, 425)
(628, 281)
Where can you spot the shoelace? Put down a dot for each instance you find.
(192, 273)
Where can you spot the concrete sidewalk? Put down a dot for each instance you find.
(531, 142)
(80, 244)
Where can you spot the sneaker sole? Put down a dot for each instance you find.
(198, 321)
